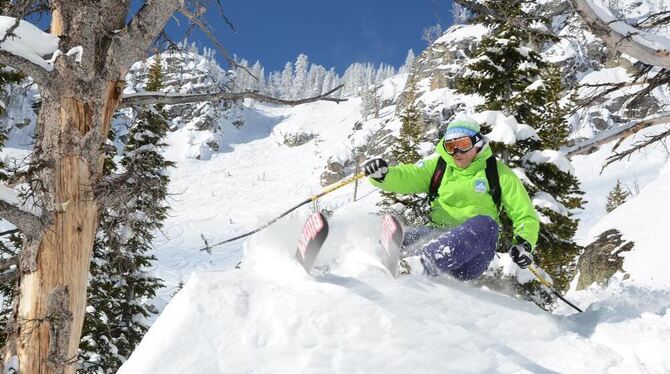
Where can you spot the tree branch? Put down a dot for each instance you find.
(25, 66)
(147, 98)
(195, 19)
(620, 36)
(133, 42)
(8, 263)
(617, 156)
(9, 277)
(604, 137)
(28, 223)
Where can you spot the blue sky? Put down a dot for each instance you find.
(331, 33)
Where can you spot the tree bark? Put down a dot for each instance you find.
(52, 301)
(626, 43)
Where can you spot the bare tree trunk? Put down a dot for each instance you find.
(52, 298)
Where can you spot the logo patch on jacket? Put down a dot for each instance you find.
(480, 185)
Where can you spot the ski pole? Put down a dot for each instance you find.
(327, 190)
(545, 283)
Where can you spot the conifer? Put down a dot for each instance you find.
(121, 287)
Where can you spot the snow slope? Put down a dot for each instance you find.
(351, 316)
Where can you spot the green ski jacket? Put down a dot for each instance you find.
(464, 193)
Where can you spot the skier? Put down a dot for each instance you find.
(461, 238)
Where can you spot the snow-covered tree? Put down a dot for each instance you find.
(510, 74)
(258, 72)
(409, 62)
(460, 14)
(371, 101)
(300, 83)
(432, 33)
(121, 286)
(286, 80)
(616, 197)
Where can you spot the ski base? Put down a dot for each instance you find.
(392, 234)
(314, 234)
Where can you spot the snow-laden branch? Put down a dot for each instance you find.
(607, 136)
(649, 48)
(148, 98)
(24, 47)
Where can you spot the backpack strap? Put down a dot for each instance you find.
(493, 179)
(436, 179)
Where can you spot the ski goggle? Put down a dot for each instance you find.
(463, 144)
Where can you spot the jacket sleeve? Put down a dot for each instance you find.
(518, 205)
(408, 178)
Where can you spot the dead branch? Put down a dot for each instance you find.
(148, 98)
(195, 19)
(617, 156)
(654, 20)
(604, 137)
(617, 41)
(27, 222)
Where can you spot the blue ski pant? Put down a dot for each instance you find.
(464, 251)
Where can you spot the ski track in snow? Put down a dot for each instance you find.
(351, 316)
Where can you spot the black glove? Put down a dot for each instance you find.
(376, 169)
(521, 255)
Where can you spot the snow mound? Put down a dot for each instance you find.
(244, 321)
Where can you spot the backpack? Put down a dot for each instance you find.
(491, 176)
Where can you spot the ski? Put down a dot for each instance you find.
(391, 239)
(313, 236)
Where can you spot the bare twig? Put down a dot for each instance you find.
(210, 35)
(147, 98)
(617, 156)
(21, 10)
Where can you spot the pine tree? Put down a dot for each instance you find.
(510, 74)
(616, 197)
(409, 62)
(405, 150)
(121, 287)
(300, 85)
(286, 81)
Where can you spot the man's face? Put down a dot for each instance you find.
(463, 159)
